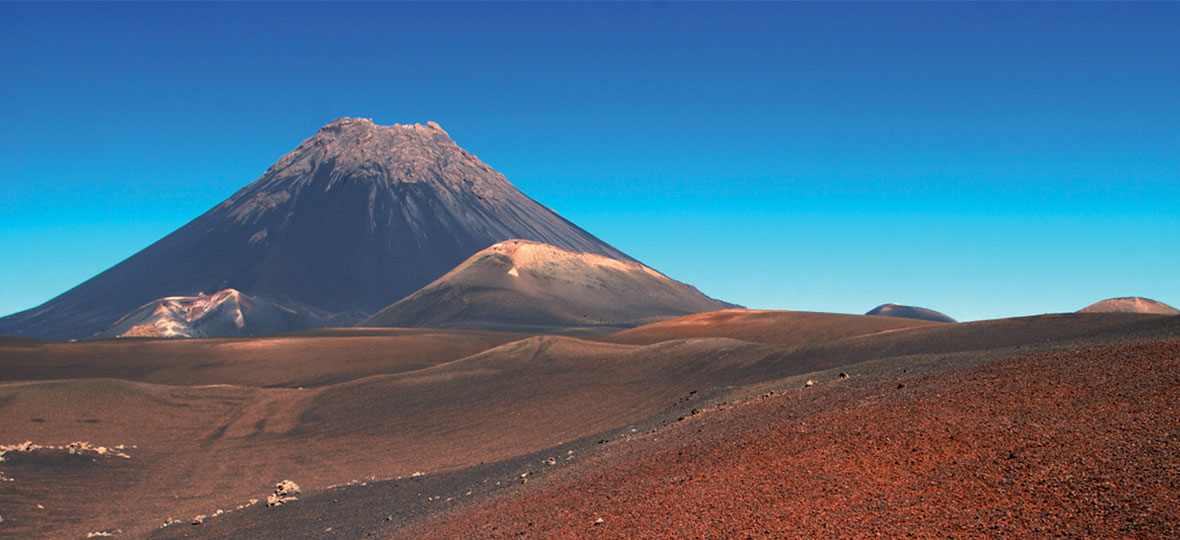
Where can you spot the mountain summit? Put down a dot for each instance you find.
(355, 218)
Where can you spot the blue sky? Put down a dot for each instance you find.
(985, 160)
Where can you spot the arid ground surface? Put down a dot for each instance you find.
(698, 428)
(1080, 443)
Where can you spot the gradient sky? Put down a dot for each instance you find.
(985, 160)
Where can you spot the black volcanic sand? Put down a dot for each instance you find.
(195, 450)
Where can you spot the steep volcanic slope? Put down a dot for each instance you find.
(224, 313)
(353, 219)
(521, 284)
(1132, 304)
(909, 312)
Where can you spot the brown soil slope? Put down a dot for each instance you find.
(1080, 443)
(319, 358)
(196, 449)
(387, 508)
(1003, 336)
(761, 326)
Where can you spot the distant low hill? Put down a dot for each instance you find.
(1130, 304)
(521, 284)
(909, 312)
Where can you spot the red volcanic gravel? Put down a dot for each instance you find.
(1081, 443)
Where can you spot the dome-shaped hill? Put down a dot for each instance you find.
(522, 284)
(1130, 304)
(909, 312)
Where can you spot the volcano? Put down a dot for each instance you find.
(355, 218)
(522, 285)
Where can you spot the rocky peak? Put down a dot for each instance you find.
(362, 131)
(358, 149)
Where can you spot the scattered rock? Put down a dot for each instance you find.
(843, 375)
(199, 519)
(809, 383)
(286, 488)
(900, 385)
(26, 446)
(598, 521)
(74, 448)
(285, 492)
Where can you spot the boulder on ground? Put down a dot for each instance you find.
(285, 492)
